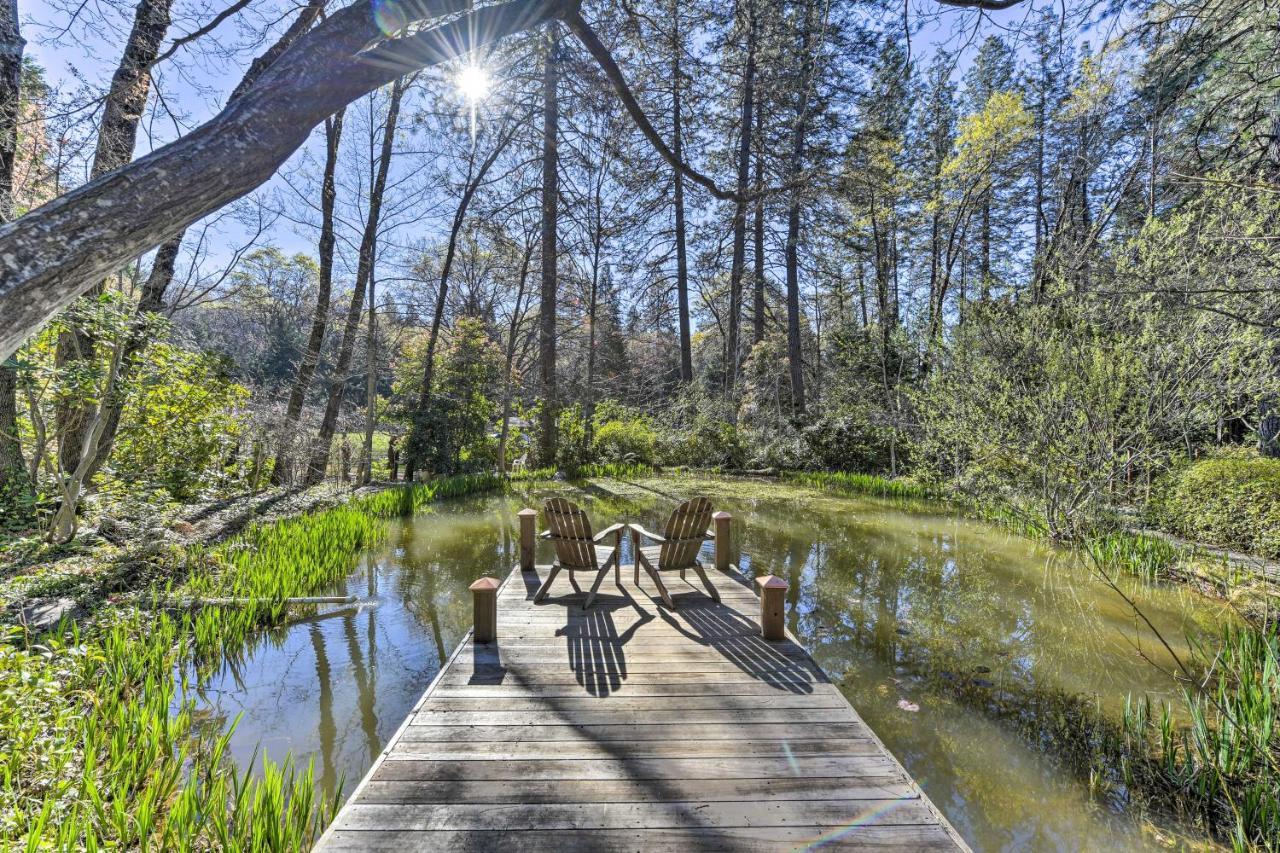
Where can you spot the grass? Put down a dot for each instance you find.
(847, 483)
(97, 746)
(1147, 557)
(1224, 769)
(614, 471)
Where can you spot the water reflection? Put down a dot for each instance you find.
(952, 638)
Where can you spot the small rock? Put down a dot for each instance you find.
(982, 670)
(911, 707)
(46, 613)
(982, 682)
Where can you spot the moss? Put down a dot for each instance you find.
(1231, 500)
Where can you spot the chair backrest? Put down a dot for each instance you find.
(570, 534)
(685, 532)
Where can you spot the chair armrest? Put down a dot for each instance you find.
(710, 534)
(611, 529)
(648, 534)
(546, 534)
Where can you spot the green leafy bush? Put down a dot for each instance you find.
(1230, 500)
(625, 441)
(180, 422)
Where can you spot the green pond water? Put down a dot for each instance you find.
(945, 633)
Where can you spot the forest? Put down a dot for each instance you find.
(275, 271)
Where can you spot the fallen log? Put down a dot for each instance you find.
(187, 603)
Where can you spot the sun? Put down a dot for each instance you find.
(473, 83)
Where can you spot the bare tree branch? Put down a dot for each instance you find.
(47, 256)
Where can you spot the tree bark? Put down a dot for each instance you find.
(365, 474)
(757, 233)
(324, 291)
(151, 300)
(516, 318)
(799, 133)
(364, 269)
(46, 257)
(740, 204)
(677, 148)
(122, 111)
(550, 209)
(416, 452)
(15, 485)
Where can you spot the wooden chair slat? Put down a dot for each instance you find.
(684, 533)
(575, 546)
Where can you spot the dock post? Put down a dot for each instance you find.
(528, 523)
(773, 609)
(484, 597)
(722, 520)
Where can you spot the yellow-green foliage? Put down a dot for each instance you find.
(1230, 500)
(179, 420)
(630, 440)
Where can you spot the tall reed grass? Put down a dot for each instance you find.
(97, 744)
(1224, 769)
(847, 483)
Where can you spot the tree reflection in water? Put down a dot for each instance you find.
(975, 627)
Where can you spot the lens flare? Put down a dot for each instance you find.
(473, 83)
(389, 16)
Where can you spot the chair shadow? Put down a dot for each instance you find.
(596, 651)
(783, 665)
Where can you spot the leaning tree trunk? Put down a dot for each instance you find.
(56, 252)
(365, 474)
(151, 300)
(15, 485)
(738, 266)
(364, 269)
(547, 308)
(122, 112)
(320, 319)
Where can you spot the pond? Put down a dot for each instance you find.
(951, 637)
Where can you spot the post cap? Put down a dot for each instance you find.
(721, 514)
(526, 513)
(771, 582)
(486, 584)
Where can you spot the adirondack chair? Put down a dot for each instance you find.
(569, 530)
(677, 548)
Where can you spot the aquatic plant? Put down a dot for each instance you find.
(1147, 557)
(862, 484)
(614, 471)
(97, 743)
(1223, 769)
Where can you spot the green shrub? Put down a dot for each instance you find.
(1231, 500)
(625, 441)
(705, 443)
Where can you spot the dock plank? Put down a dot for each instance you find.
(631, 727)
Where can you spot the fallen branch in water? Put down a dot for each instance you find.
(187, 603)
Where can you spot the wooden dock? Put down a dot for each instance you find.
(632, 727)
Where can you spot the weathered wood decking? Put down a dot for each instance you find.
(630, 727)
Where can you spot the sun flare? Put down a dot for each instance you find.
(473, 83)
